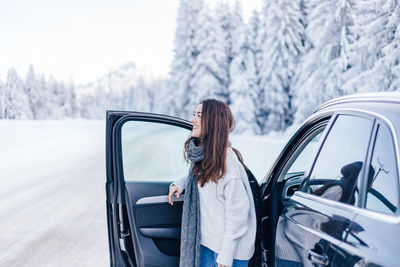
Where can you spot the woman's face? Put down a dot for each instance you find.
(196, 121)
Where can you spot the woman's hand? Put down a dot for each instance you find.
(221, 265)
(172, 190)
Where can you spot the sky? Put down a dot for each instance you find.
(82, 40)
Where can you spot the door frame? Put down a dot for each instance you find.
(268, 190)
(118, 227)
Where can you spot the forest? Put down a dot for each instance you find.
(273, 69)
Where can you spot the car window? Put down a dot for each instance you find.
(304, 155)
(339, 163)
(382, 186)
(300, 161)
(153, 151)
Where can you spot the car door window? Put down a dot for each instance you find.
(299, 162)
(304, 159)
(153, 151)
(382, 186)
(339, 163)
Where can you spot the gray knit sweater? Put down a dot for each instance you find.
(227, 213)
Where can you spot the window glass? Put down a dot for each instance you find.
(153, 151)
(299, 162)
(382, 188)
(305, 157)
(341, 159)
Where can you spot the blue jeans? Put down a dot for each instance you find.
(208, 258)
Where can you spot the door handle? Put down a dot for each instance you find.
(318, 259)
(163, 199)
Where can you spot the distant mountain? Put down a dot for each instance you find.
(118, 81)
(127, 88)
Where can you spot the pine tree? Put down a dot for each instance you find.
(210, 77)
(392, 50)
(231, 21)
(375, 55)
(257, 34)
(71, 108)
(34, 92)
(2, 99)
(44, 110)
(158, 92)
(56, 98)
(283, 47)
(185, 55)
(242, 73)
(16, 104)
(322, 70)
(259, 29)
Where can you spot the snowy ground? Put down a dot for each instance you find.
(52, 210)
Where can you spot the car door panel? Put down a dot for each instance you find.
(155, 219)
(309, 230)
(145, 152)
(156, 223)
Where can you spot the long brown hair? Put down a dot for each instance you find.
(216, 123)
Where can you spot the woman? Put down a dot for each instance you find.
(218, 218)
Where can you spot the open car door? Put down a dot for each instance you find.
(144, 154)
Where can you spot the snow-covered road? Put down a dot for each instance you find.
(52, 196)
(52, 210)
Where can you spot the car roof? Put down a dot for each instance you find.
(364, 98)
(386, 104)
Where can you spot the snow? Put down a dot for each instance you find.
(52, 189)
(52, 193)
(32, 144)
(259, 152)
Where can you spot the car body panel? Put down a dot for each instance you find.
(371, 240)
(310, 230)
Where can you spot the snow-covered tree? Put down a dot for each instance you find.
(59, 102)
(2, 99)
(34, 89)
(93, 105)
(243, 77)
(210, 71)
(321, 71)
(16, 104)
(392, 50)
(158, 91)
(375, 54)
(71, 109)
(45, 110)
(280, 53)
(185, 55)
(259, 28)
(233, 30)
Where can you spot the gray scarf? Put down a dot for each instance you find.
(190, 231)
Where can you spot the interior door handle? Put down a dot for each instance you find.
(319, 259)
(163, 199)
